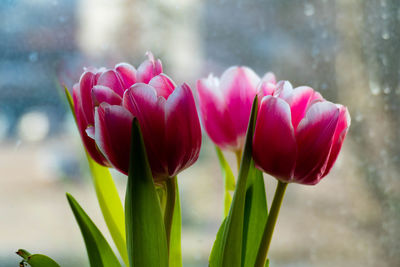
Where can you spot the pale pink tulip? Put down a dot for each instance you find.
(225, 104)
(298, 134)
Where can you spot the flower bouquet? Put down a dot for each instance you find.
(141, 123)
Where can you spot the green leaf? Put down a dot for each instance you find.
(108, 197)
(230, 254)
(267, 263)
(175, 253)
(99, 251)
(215, 258)
(110, 205)
(229, 180)
(145, 231)
(36, 260)
(255, 216)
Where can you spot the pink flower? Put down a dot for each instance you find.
(169, 122)
(225, 104)
(298, 134)
(106, 85)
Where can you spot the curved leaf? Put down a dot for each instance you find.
(108, 197)
(255, 216)
(99, 252)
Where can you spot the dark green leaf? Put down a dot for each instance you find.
(255, 216)
(99, 251)
(230, 254)
(145, 231)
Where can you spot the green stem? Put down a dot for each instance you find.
(238, 154)
(269, 227)
(169, 206)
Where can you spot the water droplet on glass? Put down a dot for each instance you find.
(309, 9)
(33, 56)
(375, 90)
(385, 35)
(387, 90)
(359, 117)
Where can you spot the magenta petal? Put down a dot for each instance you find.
(340, 133)
(111, 80)
(148, 69)
(183, 132)
(266, 88)
(215, 115)
(142, 101)
(299, 103)
(112, 134)
(163, 85)
(86, 84)
(314, 138)
(274, 144)
(239, 86)
(102, 94)
(127, 74)
(88, 142)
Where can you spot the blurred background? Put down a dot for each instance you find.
(349, 50)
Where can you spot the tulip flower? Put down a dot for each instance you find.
(101, 85)
(298, 134)
(169, 122)
(225, 104)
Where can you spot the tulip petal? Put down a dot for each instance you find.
(215, 115)
(314, 136)
(301, 99)
(274, 144)
(113, 133)
(266, 88)
(142, 101)
(284, 90)
(127, 74)
(88, 142)
(183, 132)
(102, 94)
(86, 84)
(163, 85)
(340, 133)
(111, 79)
(269, 77)
(148, 69)
(239, 86)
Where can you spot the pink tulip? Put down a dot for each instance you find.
(169, 123)
(106, 85)
(298, 134)
(225, 104)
